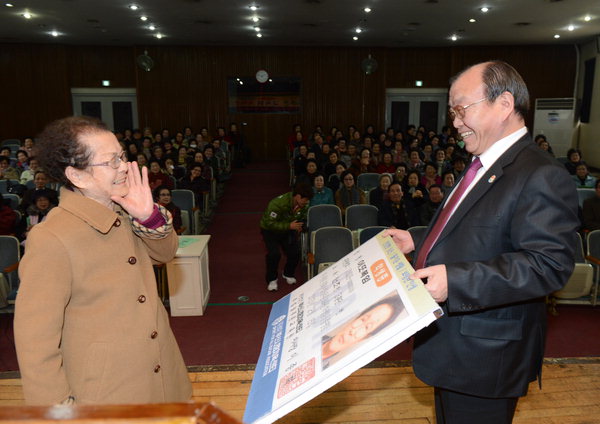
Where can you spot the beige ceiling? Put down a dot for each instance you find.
(392, 23)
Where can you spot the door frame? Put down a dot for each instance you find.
(414, 94)
(105, 96)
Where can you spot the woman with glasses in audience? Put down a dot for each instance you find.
(89, 326)
(348, 194)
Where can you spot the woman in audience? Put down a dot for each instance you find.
(157, 176)
(415, 162)
(28, 174)
(163, 196)
(401, 173)
(132, 152)
(8, 218)
(386, 165)
(348, 194)
(37, 211)
(447, 181)
(195, 182)
(89, 326)
(430, 176)
(363, 164)
(7, 172)
(334, 182)
(331, 165)
(543, 144)
(415, 193)
(379, 193)
(574, 159)
(322, 194)
(441, 163)
(300, 160)
(142, 160)
(582, 177)
(376, 154)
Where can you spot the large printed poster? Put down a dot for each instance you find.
(337, 322)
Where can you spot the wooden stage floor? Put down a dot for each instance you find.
(390, 393)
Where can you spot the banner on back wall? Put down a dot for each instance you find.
(337, 322)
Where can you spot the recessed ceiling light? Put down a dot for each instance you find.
(159, 36)
(134, 7)
(367, 10)
(587, 18)
(556, 35)
(27, 15)
(571, 28)
(255, 19)
(257, 28)
(355, 38)
(9, 5)
(151, 27)
(254, 7)
(259, 35)
(454, 37)
(54, 33)
(472, 20)
(358, 30)
(144, 18)
(485, 9)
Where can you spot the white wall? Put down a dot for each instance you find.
(587, 136)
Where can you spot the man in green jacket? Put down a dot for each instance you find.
(280, 226)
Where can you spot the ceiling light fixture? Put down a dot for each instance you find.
(151, 27)
(159, 36)
(472, 20)
(587, 18)
(355, 38)
(134, 7)
(454, 37)
(571, 28)
(557, 36)
(54, 33)
(367, 10)
(257, 28)
(9, 5)
(27, 15)
(144, 18)
(259, 35)
(254, 7)
(485, 9)
(255, 19)
(358, 30)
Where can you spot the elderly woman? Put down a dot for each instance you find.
(89, 326)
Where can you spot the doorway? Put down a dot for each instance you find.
(416, 106)
(116, 107)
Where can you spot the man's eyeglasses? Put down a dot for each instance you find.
(115, 162)
(460, 111)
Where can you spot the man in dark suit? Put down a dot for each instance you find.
(492, 254)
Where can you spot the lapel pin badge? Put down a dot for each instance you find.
(492, 179)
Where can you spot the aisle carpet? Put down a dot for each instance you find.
(232, 328)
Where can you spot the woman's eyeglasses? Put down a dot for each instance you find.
(115, 162)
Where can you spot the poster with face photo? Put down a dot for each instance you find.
(345, 317)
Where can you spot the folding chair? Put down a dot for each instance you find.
(186, 201)
(367, 181)
(578, 289)
(366, 234)
(14, 200)
(330, 245)
(593, 256)
(360, 216)
(319, 216)
(585, 193)
(10, 255)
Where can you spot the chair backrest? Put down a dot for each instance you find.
(14, 200)
(367, 181)
(579, 255)
(10, 254)
(417, 232)
(585, 193)
(593, 244)
(578, 285)
(361, 216)
(185, 222)
(185, 200)
(368, 233)
(320, 216)
(331, 244)
(3, 187)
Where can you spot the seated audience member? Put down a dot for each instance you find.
(7, 172)
(415, 161)
(132, 152)
(428, 209)
(323, 195)
(300, 160)
(309, 174)
(348, 194)
(28, 174)
(182, 157)
(430, 175)
(376, 154)
(163, 196)
(342, 149)
(364, 164)
(22, 161)
(27, 145)
(142, 160)
(574, 159)
(582, 177)
(398, 153)
(448, 181)
(591, 211)
(441, 163)
(8, 218)
(393, 210)
(38, 209)
(401, 172)
(331, 165)
(386, 165)
(415, 195)
(543, 144)
(379, 193)
(7, 153)
(428, 155)
(211, 160)
(334, 182)
(195, 182)
(158, 177)
(458, 166)
(40, 180)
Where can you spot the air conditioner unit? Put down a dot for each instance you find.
(555, 118)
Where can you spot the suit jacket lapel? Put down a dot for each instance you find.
(482, 186)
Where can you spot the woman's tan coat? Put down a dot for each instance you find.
(88, 320)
